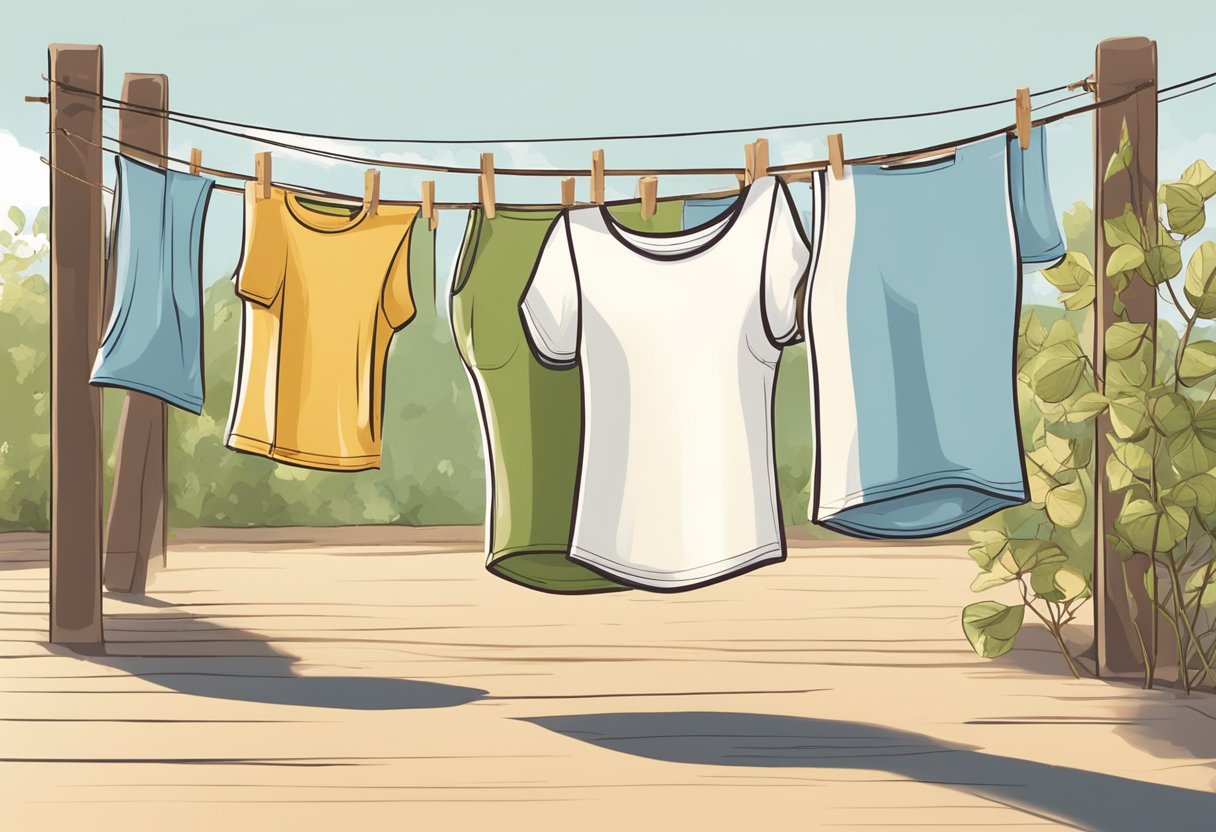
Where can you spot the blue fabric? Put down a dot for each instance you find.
(1040, 242)
(154, 339)
(931, 305)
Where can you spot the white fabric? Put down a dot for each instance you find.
(678, 336)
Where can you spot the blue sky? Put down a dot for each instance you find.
(460, 68)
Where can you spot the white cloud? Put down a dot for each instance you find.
(23, 177)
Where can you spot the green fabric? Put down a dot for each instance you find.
(530, 413)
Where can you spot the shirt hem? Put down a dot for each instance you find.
(291, 456)
(1000, 496)
(190, 403)
(680, 579)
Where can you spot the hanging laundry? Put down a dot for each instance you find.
(678, 335)
(324, 287)
(1040, 243)
(531, 415)
(153, 342)
(913, 307)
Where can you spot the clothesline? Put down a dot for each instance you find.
(790, 171)
(190, 119)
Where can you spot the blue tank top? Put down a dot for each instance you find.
(153, 342)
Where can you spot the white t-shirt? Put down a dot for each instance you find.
(678, 335)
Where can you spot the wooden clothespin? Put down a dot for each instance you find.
(261, 169)
(1023, 111)
(485, 184)
(756, 158)
(567, 191)
(428, 205)
(371, 191)
(836, 155)
(648, 189)
(597, 177)
(196, 161)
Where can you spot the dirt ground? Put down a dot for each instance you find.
(379, 678)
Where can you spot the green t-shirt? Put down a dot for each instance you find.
(531, 413)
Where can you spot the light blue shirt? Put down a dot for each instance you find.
(913, 310)
(153, 341)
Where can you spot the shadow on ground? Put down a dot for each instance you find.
(192, 654)
(1081, 798)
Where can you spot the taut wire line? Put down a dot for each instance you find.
(191, 119)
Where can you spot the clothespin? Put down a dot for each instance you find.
(485, 184)
(261, 169)
(597, 177)
(756, 158)
(567, 191)
(196, 161)
(836, 155)
(371, 191)
(648, 188)
(1023, 111)
(428, 204)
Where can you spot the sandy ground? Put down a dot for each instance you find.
(366, 679)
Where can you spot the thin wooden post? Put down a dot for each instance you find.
(1122, 64)
(135, 529)
(77, 260)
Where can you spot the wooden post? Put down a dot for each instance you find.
(135, 529)
(77, 259)
(1122, 64)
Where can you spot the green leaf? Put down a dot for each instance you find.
(1202, 177)
(1123, 230)
(1142, 523)
(1127, 257)
(1066, 504)
(1197, 492)
(42, 221)
(1129, 417)
(1042, 581)
(1162, 262)
(1122, 157)
(1124, 339)
(1188, 454)
(1071, 273)
(994, 577)
(1085, 407)
(1198, 363)
(1080, 299)
(1205, 425)
(1171, 413)
(989, 543)
(1055, 372)
(1183, 208)
(17, 217)
(1026, 555)
(1034, 331)
(1071, 583)
(1200, 284)
(992, 627)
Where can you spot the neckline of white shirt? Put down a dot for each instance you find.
(684, 244)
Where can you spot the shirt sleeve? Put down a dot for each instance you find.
(787, 259)
(264, 252)
(397, 299)
(550, 306)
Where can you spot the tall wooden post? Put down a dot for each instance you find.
(1122, 64)
(135, 530)
(77, 260)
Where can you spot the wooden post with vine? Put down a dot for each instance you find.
(1124, 617)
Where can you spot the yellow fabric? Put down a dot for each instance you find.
(323, 293)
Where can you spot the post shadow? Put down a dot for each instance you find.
(252, 672)
(1090, 800)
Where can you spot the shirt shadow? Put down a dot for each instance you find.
(1086, 799)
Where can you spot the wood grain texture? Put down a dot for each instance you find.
(373, 678)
